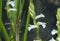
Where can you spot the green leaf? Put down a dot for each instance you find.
(7, 38)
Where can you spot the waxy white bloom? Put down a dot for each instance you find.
(39, 16)
(42, 23)
(31, 27)
(12, 9)
(53, 32)
(12, 3)
(52, 39)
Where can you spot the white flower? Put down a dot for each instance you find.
(31, 27)
(53, 32)
(12, 3)
(12, 9)
(58, 39)
(39, 16)
(7, 23)
(42, 23)
(52, 39)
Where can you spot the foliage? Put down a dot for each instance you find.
(58, 23)
(14, 16)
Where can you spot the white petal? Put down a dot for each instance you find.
(31, 27)
(39, 16)
(12, 3)
(52, 39)
(42, 23)
(54, 32)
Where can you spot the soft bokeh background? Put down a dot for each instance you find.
(14, 15)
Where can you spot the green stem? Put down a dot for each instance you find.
(26, 29)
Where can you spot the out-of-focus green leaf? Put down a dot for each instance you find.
(4, 31)
(58, 22)
(2, 28)
(0, 16)
(0, 39)
(0, 8)
(21, 6)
